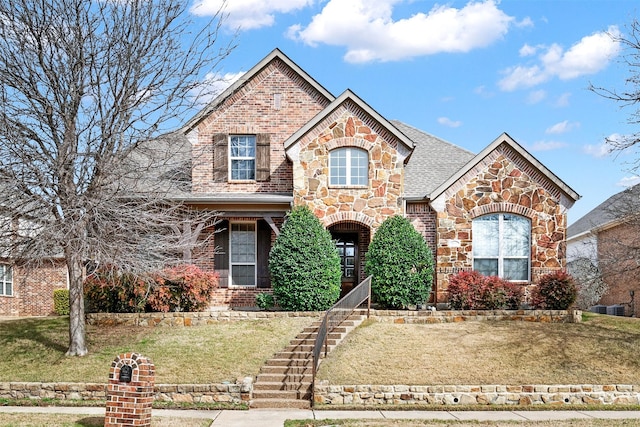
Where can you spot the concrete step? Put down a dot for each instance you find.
(304, 387)
(285, 361)
(281, 403)
(286, 370)
(285, 378)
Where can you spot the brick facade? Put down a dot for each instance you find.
(277, 102)
(617, 247)
(33, 288)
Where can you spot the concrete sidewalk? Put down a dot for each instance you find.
(276, 417)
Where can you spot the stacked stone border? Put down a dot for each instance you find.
(395, 316)
(241, 391)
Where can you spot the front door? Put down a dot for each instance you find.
(347, 244)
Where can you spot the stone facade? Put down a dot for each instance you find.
(502, 183)
(349, 126)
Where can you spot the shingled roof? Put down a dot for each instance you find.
(612, 210)
(432, 162)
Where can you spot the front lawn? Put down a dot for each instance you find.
(34, 349)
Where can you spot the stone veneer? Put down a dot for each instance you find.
(538, 394)
(368, 205)
(502, 183)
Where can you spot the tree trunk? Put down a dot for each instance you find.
(77, 333)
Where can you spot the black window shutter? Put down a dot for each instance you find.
(264, 247)
(220, 157)
(221, 257)
(263, 157)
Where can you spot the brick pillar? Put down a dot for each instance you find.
(130, 391)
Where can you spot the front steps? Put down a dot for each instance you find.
(285, 380)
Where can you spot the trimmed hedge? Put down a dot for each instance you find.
(470, 290)
(180, 288)
(61, 302)
(304, 264)
(555, 291)
(401, 264)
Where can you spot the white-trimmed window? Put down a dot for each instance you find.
(349, 166)
(242, 157)
(242, 250)
(502, 246)
(6, 280)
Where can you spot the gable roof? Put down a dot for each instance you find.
(246, 77)
(613, 210)
(568, 192)
(433, 161)
(346, 96)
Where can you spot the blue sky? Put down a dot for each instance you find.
(464, 71)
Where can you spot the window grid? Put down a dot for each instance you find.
(6, 280)
(501, 246)
(348, 166)
(242, 250)
(242, 156)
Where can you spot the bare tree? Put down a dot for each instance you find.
(630, 96)
(86, 88)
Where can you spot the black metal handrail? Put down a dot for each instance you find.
(334, 317)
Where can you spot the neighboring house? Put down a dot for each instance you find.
(607, 238)
(276, 138)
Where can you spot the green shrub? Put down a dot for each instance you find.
(181, 288)
(304, 264)
(401, 264)
(61, 302)
(470, 290)
(554, 291)
(265, 301)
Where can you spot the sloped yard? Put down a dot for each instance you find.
(600, 350)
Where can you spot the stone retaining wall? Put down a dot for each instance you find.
(396, 316)
(368, 395)
(237, 393)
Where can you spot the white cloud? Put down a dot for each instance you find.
(563, 100)
(527, 50)
(547, 145)
(597, 150)
(562, 127)
(629, 181)
(248, 14)
(445, 121)
(483, 92)
(369, 33)
(536, 96)
(213, 85)
(590, 55)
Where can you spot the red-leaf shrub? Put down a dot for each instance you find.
(181, 288)
(470, 290)
(555, 291)
(110, 291)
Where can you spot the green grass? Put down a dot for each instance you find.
(64, 420)
(33, 350)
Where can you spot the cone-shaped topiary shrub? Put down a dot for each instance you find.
(401, 264)
(304, 264)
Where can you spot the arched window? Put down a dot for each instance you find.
(502, 246)
(349, 166)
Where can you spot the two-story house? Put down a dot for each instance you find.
(277, 138)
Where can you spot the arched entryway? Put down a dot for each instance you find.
(352, 241)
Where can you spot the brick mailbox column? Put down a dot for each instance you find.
(130, 391)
